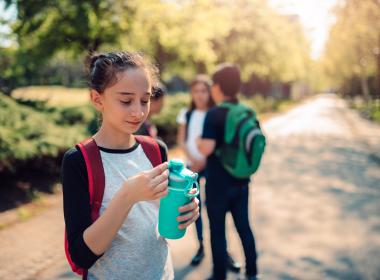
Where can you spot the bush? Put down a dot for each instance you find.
(263, 105)
(35, 104)
(26, 134)
(368, 109)
(75, 115)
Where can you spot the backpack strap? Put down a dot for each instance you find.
(187, 117)
(96, 179)
(150, 148)
(95, 174)
(237, 115)
(96, 184)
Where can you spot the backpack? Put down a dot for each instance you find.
(244, 142)
(96, 180)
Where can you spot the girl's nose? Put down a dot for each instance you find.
(136, 110)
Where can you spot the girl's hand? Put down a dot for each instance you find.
(148, 185)
(191, 211)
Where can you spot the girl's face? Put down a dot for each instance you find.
(125, 105)
(200, 96)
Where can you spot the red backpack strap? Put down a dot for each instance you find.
(95, 174)
(96, 179)
(151, 149)
(96, 184)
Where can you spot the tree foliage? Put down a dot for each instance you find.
(183, 37)
(353, 48)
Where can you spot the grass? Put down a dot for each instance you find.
(24, 214)
(25, 211)
(54, 96)
(34, 204)
(369, 109)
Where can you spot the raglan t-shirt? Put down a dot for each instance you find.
(137, 251)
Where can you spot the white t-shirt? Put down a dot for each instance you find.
(194, 130)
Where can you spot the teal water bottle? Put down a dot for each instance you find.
(181, 182)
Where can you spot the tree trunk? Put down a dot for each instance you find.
(200, 67)
(364, 87)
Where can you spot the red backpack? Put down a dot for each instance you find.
(96, 180)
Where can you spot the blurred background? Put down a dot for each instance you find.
(311, 69)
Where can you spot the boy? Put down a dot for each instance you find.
(223, 191)
(156, 104)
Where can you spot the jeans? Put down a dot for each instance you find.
(198, 222)
(219, 202)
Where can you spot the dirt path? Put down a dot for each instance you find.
(314, 206)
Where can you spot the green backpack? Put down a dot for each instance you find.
(244, 142)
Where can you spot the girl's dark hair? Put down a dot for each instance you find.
(227, 76)
(204, 80)
(102, 68)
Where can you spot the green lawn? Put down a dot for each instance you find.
(55, 96)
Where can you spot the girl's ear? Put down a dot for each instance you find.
(96, 99)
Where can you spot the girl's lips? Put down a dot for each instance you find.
(133, 123)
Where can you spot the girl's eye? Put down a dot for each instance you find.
(126, 102)
(144, 102)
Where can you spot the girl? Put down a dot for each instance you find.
(190, 128)
(123, 242)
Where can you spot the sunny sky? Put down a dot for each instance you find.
(315, 15)
(5, 15)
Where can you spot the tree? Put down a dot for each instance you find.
(189, 37)
(353, 47)
(44, 28)
(263, 42)
(179, 35)
(183, 37)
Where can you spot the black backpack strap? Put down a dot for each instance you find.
(188, 116)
